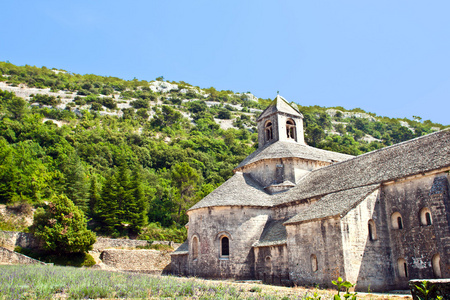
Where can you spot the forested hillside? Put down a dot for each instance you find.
(130, 153)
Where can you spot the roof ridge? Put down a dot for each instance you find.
(381, 149)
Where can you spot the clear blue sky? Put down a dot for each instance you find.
(387, 57)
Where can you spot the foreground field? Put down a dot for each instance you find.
(52, 282)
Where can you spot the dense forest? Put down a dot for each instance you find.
(133, 156)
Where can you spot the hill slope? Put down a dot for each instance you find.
(169, 144)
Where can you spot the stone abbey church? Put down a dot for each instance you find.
(294, 214)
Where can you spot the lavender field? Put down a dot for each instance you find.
(54, 282)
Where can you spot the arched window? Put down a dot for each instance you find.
(268, 131)
(290, 129)
(402, 268)
(194, 248)
(372, 230)
(425, 216)
(314, 264)
(436, 263)
(224, 247)
(396, 220)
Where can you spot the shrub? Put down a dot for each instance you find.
(156, 247)
(155, 232)
(62, 227)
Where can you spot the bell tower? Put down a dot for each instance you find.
(280, 122)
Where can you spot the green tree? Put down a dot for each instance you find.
(62, 227)
(94, 195)
(185, 178)
(122, 207)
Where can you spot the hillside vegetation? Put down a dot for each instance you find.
(133, 152)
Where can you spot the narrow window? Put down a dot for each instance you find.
(402, 268)
(224, 247)
(436, 263)
(425, 217)
(268, 131)
(399, 222)
(194, 248)
(396, 220)
(372, 230)
(314, 264)
(290, 129)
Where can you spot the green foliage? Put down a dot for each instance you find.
(122, 208)
(46, 100)
(160, 247)
(185, 179)
(80, 158)
(255, 289)
(77, 259)
(427, 291)
(62, 227)
(344, 284)
(155, 232)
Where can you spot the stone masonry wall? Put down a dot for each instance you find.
(10, 239)
(271, 264)
(242, 225)
(265, 171)
(321, 238)
(367, 262)
(149, 261)
(417, 243)
(10, 257)
(104, 243)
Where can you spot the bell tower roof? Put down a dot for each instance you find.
(279, 105)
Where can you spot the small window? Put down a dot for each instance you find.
(372, 230)
(436, 263)
(397, 221)
(425, 217)
(314, 264)
(224, 247)
(402, 268)
(194, 248)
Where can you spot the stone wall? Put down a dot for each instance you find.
(243, 227)
(321, 240)
(415, 242)
(104, 243)
(179, 264)
(10, 239)
(367, 261)
(265, 171)
(148, 261)
(271, 265)
(10, 257)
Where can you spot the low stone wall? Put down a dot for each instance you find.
(9, 257)
(144, 261)
(104, 243)
(10, 239)
(441, 288)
